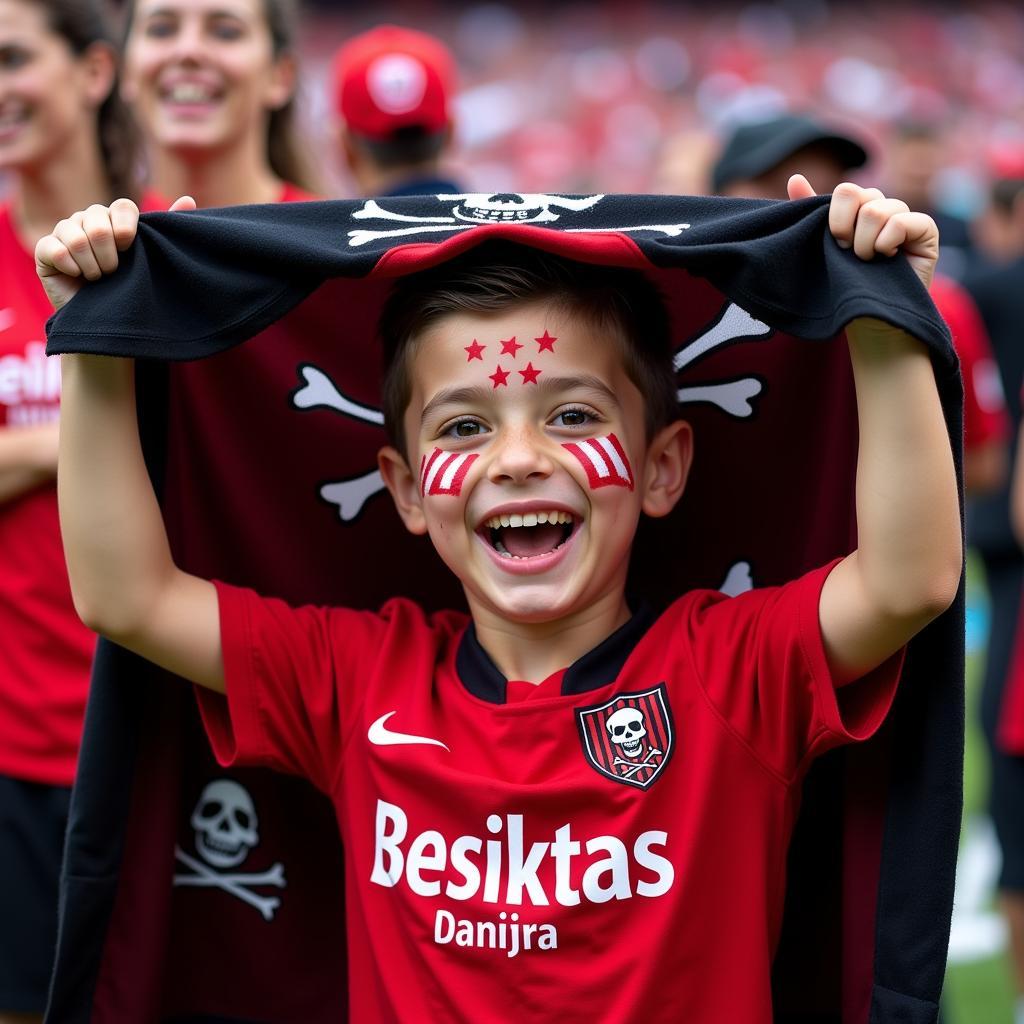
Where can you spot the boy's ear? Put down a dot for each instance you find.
(666, 467)
(404, 486)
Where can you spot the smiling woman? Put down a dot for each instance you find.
(212, 83)
(66, 141)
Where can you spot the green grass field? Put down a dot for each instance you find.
(979, 992)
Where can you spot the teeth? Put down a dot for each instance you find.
(527, 519)
(189, 92)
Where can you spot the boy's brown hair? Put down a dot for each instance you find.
(498, 275)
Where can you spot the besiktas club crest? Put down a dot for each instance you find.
(630, 737)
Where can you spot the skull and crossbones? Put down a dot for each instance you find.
(734, 397)
(471, 209)
(226, 830)
(628, 731)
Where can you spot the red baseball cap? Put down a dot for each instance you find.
(392, 78)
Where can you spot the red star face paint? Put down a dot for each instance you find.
(443, 472)
(510, 347)
(604, 460)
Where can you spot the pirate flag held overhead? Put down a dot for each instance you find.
(255, 331)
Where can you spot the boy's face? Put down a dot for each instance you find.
(527, 449)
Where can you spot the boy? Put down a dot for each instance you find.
(487, 871)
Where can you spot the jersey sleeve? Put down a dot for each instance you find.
(985, 416)
(760, 659)
(293, 678)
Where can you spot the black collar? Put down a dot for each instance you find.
(597, 667)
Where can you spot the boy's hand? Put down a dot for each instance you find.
(864, 220)
(86, 244)
(906, 569)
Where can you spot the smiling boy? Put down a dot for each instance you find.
(566, 807)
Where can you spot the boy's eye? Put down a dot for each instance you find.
(573, 418)
(465, 428)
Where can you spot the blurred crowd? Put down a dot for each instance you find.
(631, 96)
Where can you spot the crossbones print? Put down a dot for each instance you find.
(236, 884)
(634, 767)
(735, 398)
(226, 832)
(471, 209)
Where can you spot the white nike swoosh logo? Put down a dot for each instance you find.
(6, 319)
(382, 736)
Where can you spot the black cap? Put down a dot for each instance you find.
(757, 147)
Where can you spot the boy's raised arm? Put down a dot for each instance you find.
(124, 582)
(907, 565)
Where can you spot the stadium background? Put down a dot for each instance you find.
(603, 96)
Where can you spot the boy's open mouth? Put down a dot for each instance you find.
(529, 534)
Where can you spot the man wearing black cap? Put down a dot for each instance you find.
(760, 157)
(757, 162)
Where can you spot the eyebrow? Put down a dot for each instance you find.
(164, 10)
(467, 395)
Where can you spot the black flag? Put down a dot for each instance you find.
(259, 371)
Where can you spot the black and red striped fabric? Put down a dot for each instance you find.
(259, 372)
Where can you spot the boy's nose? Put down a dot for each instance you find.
(519, 457)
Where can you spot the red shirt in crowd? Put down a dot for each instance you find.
(609, 845)
(985, 415)
(45, 651)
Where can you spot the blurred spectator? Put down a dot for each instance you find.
(760, 157)
(999, 293)
(66, 141)
(986, 421)
(757, 161)
(684, 166)
(392, 89)
(213, 89)
(915, 154)
(1001, 225)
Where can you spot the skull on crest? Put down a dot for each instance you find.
(626, 729)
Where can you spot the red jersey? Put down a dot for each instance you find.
(985, 415)
(46, 651)
(293, 194)
(607, 846)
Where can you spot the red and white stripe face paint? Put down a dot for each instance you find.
(443, 472)
(604, 460)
